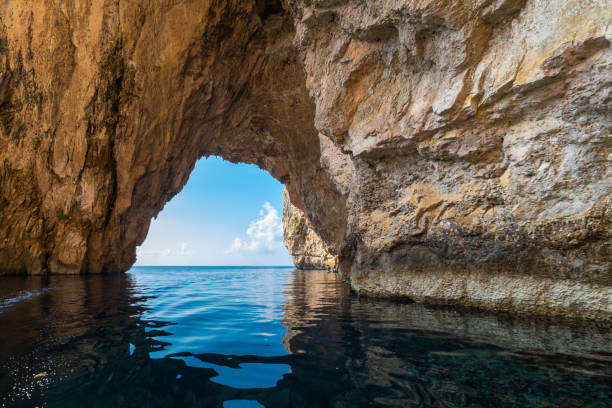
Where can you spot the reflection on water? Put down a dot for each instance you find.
(245, 375)
(275, 337)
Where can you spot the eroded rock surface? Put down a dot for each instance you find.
(305, 246)
(454, 152)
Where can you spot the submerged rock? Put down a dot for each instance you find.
(454, 152)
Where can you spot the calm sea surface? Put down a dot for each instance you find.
(277, 337)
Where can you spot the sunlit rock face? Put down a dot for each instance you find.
(454, 152)
(305, 246)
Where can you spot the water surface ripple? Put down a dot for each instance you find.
(277, 337)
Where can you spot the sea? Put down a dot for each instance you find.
(279, 337)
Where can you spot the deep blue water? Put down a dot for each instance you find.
(277, 337)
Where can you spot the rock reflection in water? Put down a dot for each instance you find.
(407, 354)
(91, 339)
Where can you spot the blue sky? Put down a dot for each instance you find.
(227, 214)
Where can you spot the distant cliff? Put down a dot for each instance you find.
(303, 243)
(453, 152)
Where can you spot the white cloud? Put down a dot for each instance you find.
(264, 234)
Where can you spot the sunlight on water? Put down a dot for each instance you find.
(276, 337)
(214, 310)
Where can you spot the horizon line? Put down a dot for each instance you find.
(220, 266)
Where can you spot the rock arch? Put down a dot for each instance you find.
(121, 123)
(446, 151)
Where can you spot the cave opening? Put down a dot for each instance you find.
(226, 215)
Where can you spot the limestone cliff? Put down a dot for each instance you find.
(450, 151)
(305, 246)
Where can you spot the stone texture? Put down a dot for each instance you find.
(454, 152)
(305, 246)
(314, 292)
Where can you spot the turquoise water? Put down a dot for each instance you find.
(277, 337)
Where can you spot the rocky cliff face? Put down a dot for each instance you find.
(305, 246)
(454, 152)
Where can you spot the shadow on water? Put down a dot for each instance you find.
(276, 337)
